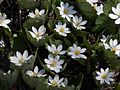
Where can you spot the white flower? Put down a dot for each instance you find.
(78, 23)
(99, 9)
(37, 13)
(91, 2)
(56, 50)
(35, 73)
(105, 76)
(77, 52)
(38, 34)
(116, 14)
(114, 46)
(61, 29)
(56, 82)
(54, 63)
(4, 21)
(66, 11)
(19, 59)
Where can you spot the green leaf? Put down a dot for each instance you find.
(36, 22)
(8, 80)
(86, 10)
(101, 19)
(108, 6)
(29, 4)
(19, 43)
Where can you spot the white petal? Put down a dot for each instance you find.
(49, 48)
(102, 70)
(59, 48)
(7, 21)
(115, 10)
(98, 73)
(14, 59)
(34, 30)
(56, 78)
(110, 74)
(83, 56)
(117, 21)
(36, 69)
(62, 52)
(101, 81)
(25, 54)
(98, 78)
(19, 55)
(108, 82)
(113, 16)
(30, 73)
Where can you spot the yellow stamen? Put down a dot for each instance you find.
(104, 76)
(53, 64)
(77, 52)
(114, 49)
(54, 83)
(66, 11)
(62, 30)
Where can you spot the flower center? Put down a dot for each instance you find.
(62, 30)
(77, 52)
(21, 60)
(38, 34)
(66, 11)
(53, 64)
(54, 83)
(114, 49)
(34, 74)
(104, 76)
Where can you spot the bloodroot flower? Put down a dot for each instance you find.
(19, 59)
(35, 73)
(61, 29)
(105, 76)
(66, 11)
(38, 34)
(78, 22)
(77, 52)
(54, 63)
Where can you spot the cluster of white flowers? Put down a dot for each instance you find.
(38, 34)
(99, 8)
(67, 12)
(105, 76)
